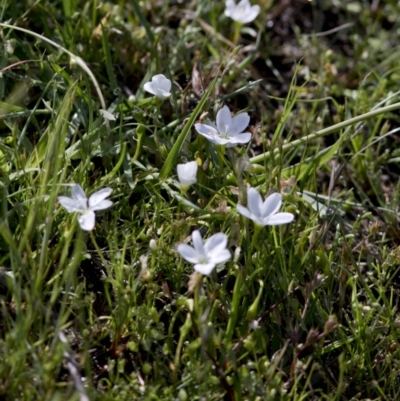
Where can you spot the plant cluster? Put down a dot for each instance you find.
(266, 157)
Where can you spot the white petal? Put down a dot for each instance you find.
(162, 83)
(220, 257)
(271, 205)
(224, 120)
(204, 268)
(278, 219)
(78, 193)
(69, 204)
(107, 115)
(105, 204)
(243, 12)
(98, 197)
(206, 130)
(216, 242)
(219, 141)
(187, 173)
(244, 211)
(239, 123)
(230, 5)
(148, 87)
(86, 221)
(211, 134)
(198, 243)
(254, 202)
(188, 253)
(162, 94)
(251, 14)
(240, 138)
(211, 124)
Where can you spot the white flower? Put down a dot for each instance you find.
(80, 203)
(205, 257)
(160, 86)
(264, 213)
(242, 12)
(228, 130)
(187, 173)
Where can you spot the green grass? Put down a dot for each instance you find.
(304, 311)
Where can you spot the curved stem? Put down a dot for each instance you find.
(75, 58)
(326, 131)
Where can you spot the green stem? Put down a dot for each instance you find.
(221, 161)
(236, 34)
(100, 253)
(75, 58)
(234, 308)
(139, 136)
(326, 131)
(257, 229)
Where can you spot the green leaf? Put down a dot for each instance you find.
(173, 154)
(107, 55)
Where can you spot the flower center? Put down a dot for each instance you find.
(225, 134)
(203, 259)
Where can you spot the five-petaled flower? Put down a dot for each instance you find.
(205, 257)
(160, 86)
(242, 12)
(81, 204)
(187, 173)
(227, 130)
(264, 213)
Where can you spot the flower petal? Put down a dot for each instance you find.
(211, 124)
(220, 141)
(198, 243)
(271, 205)
(224, 120)
(69, 204)
(230, 6)
(161, 94)
(107, 115)
(187, 173)
(244, 211)
(240, 138)
(98, 197)
(204, 268)
(162, 83)
(211, 134)
(251, 14)
(206, 130)
(105, 204)
(78, 193)
(188, 253)
(254, 202)
(148, 87)
(86, 221)
(215, 243)
(278, 219)
(220, 257)
(239, 123)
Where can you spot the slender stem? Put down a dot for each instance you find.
(236, 34)
(100, 253)
(234, 307)
(327, 131)
(75, 58)
(139, 136)
(257, 229)
(221, 161)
